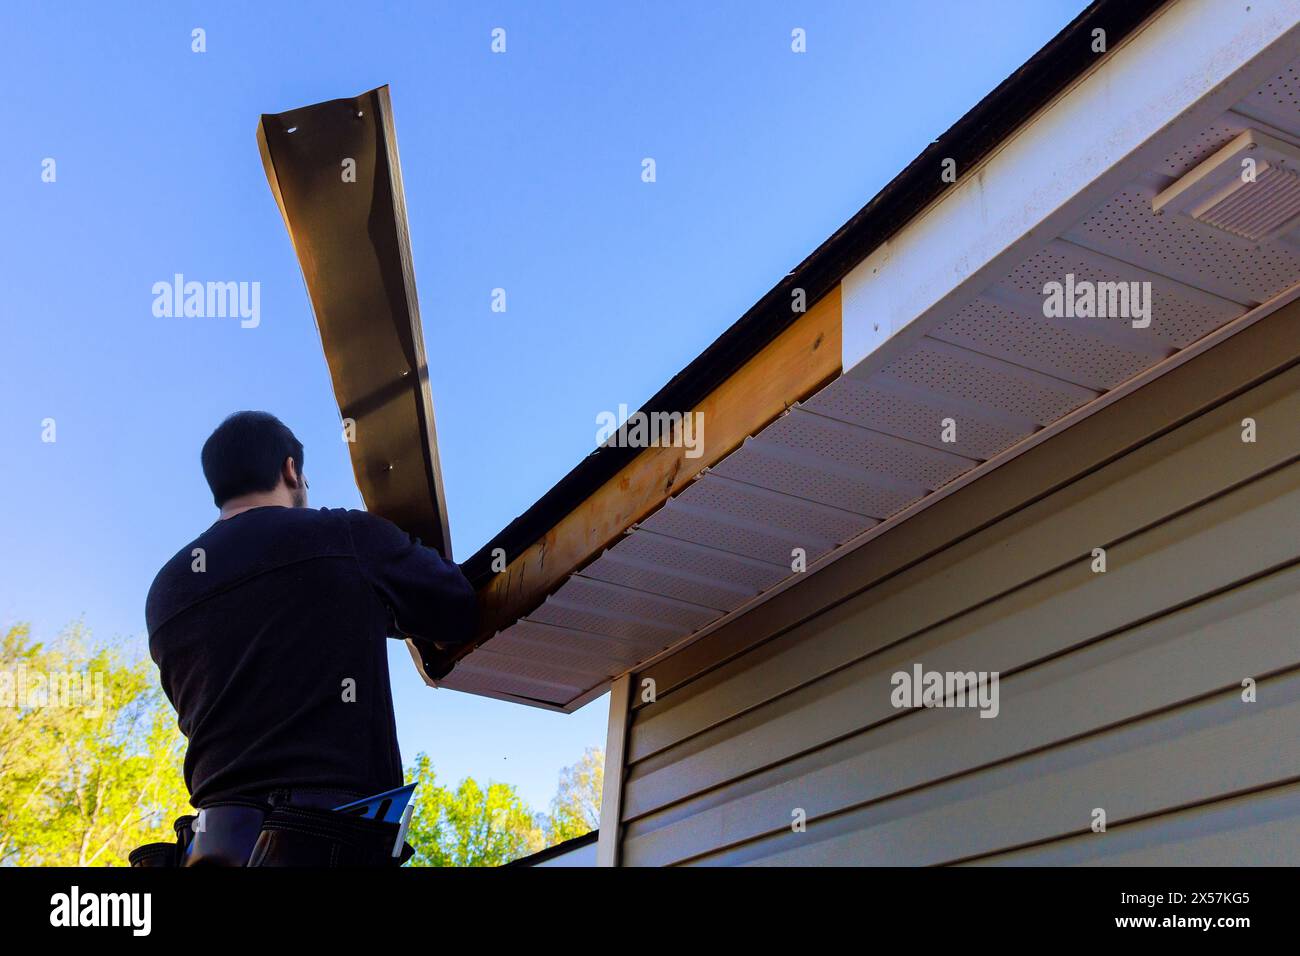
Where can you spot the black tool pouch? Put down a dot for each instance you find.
(165, 854)
(298, 836)
(154, 854)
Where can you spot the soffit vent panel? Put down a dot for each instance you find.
(596, 659)
(944, 370)
(561, 611)
(1277, 102)
(852, 400)
(865, 450)
(554, 676)
(1204, 145)
(668, 580)
(1179, 315)
(1054, 349)
(1250, 189)
(806, 478)
(703, 560)
(659, 611)
(1193, 253)
(473, 679)
(772, 547)
(582, 643)
(797, 517)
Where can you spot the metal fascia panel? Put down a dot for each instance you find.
(349, 231)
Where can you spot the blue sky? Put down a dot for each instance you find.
(522, 171)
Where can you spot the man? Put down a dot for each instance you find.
(269, 634)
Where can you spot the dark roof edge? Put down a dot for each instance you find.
(991, 121)
(559, 849)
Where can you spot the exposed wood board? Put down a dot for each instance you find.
(790, 368)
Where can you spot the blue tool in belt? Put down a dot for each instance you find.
(391, 806)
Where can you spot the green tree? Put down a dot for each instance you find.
(468, 826)
(83, 783)
(575, 810)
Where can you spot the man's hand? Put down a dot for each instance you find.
(433, 660)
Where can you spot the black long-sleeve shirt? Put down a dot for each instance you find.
(270, 642)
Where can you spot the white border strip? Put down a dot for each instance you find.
(611, 794)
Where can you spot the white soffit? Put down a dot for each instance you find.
(945, 326)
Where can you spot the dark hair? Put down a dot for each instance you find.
(245, 454)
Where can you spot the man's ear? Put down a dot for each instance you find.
(289, 472)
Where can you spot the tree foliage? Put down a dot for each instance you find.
(82, 785)
(576, 807)
(474, 826)
(470, 825)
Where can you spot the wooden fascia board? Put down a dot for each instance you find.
(790, 368)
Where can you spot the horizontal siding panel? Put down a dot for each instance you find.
(1256, 525)
(1256, 829)
(1210, 749)
(1186, 466)
(1193, 652)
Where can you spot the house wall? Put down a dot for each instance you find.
(1119, 690)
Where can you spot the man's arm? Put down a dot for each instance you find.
(428, 597)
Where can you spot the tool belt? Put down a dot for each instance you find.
(284, 830)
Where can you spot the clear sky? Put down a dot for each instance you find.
(522, 171)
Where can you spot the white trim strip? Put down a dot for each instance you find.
(611, 795)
